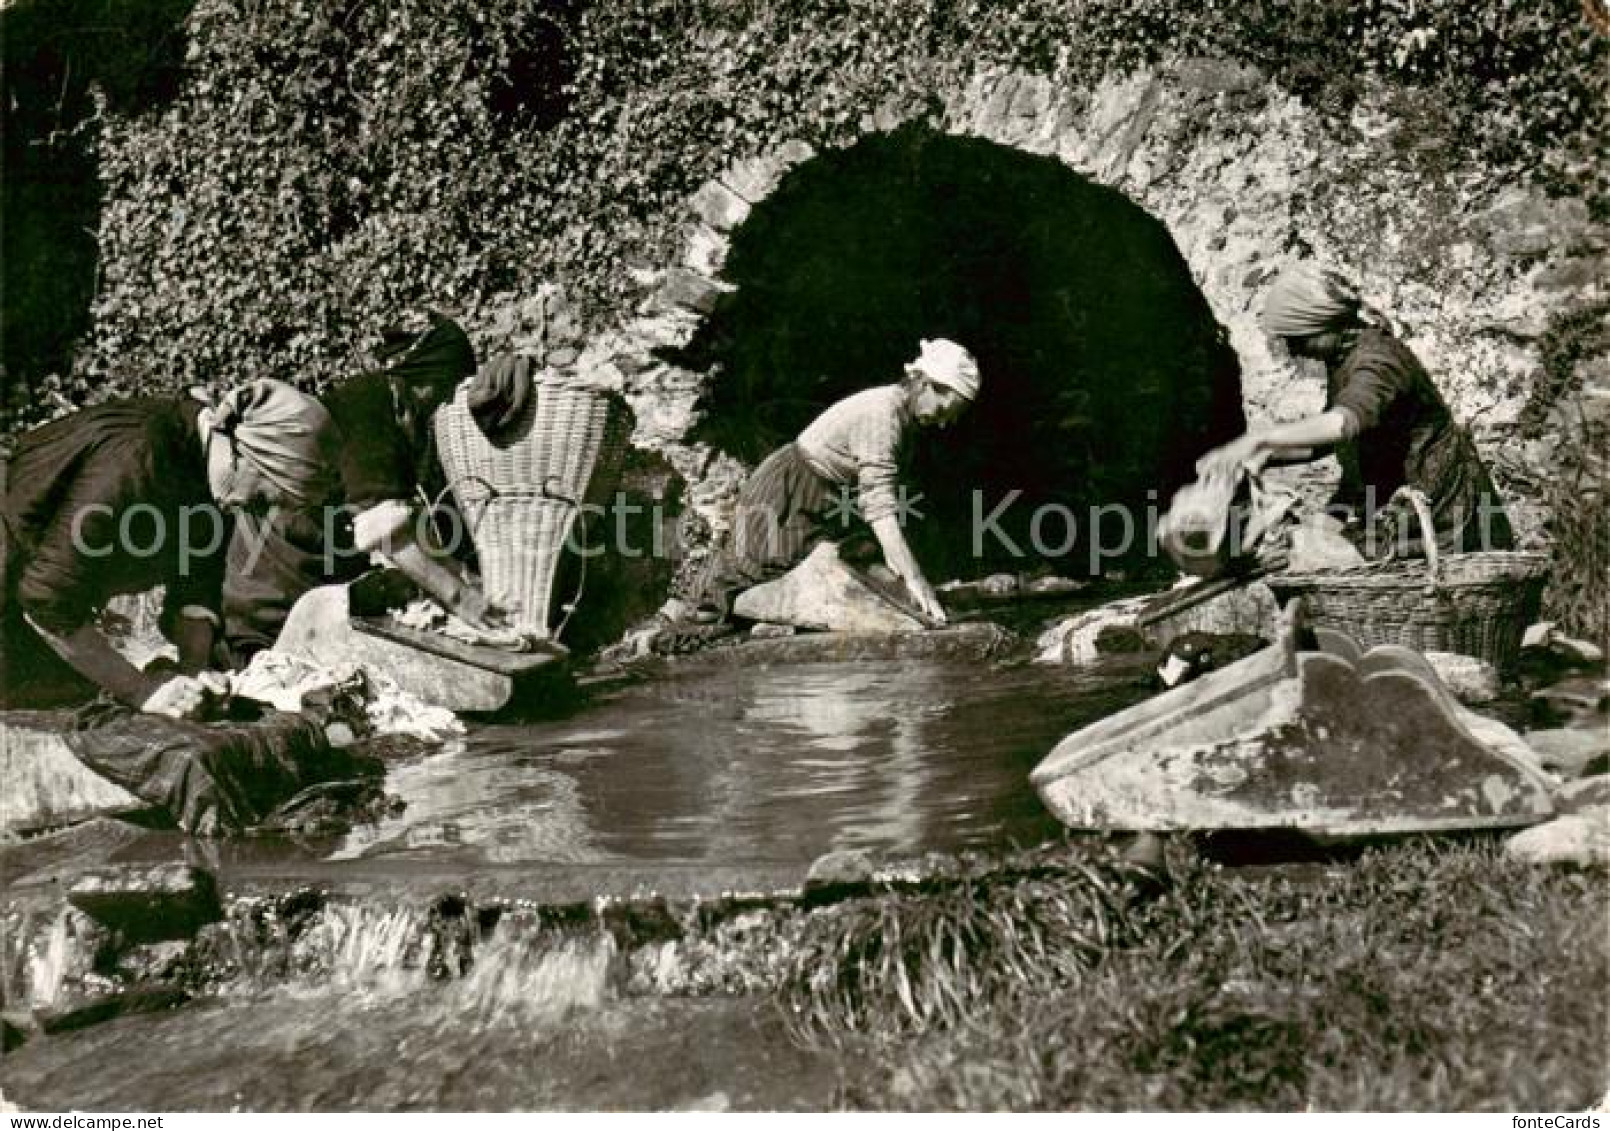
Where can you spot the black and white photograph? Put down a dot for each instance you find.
(756, 556)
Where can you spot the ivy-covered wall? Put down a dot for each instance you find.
(329, 166)
(331, 163)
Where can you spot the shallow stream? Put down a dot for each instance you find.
(763, 767)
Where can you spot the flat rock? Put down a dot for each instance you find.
(319, 629)
(973, 641)
(148, 904)
(823, 593)
(1580, 839)
(1584, 793)
(82, 1013)
(60, 854)
(45, 784)
(1569, 751)
(1073, 640)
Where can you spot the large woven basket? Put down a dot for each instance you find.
(1474, 604)
(521, 497)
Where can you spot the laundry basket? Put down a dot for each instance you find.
(1474, 604)
(521, 497)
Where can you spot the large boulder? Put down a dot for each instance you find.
(823, 593)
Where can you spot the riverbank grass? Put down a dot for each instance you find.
(1425, 975)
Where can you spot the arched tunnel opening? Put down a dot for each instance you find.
(1105, 372)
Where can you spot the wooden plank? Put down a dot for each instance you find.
(498, 660)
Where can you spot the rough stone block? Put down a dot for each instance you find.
(823, 593)
(795, 152)
(1570, 751)
(706, 251)
(1072, 640)
(148, 904)
(841, 866)
(1584, 793)
(1313, 741)
(754, 178)
(689, 290)
(720, 207)
(319, 629)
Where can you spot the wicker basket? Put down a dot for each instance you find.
(1474, 604)
(521, 497)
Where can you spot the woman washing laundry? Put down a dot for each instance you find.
(128, 495)
(385, 415)
(786, 506)
(1383, 417)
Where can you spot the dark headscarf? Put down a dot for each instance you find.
(438, 359)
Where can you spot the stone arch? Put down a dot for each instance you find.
(1219, 156)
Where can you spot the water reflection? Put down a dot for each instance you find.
(758, 765)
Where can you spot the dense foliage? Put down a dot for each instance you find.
(329, 164)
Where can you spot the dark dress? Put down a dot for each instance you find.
(386, 454)
(110, 500)
(1408, 437)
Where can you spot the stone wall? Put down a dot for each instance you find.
(1472, 270)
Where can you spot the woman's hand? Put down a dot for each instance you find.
(928, 601)
(475, 609)
(181, 697)
(1230, 460)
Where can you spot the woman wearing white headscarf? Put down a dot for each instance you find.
(124, 496)
(1383, 417)
(796, 496)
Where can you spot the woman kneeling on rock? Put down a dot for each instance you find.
(786, 506)
(1383, 417)
(128, 495)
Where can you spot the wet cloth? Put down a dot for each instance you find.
(1406, 436)
(112, 499)
(783, 510)
(212, 779)
(857, 441)
(386, 458)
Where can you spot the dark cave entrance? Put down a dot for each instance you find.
(1105, 372)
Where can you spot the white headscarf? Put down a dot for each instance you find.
(287, 436)
(1309, 299)
(944, 362)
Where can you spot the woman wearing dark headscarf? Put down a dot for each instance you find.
(385, 416)
(1383, 416)
(128, 495)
